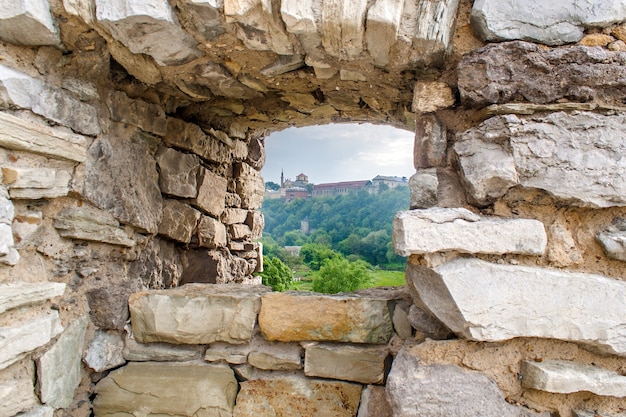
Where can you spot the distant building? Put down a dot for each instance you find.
(295, 192)
(337, 188)
(391, 182)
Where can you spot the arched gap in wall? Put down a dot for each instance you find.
(331, 194)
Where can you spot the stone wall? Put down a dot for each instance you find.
(131, 144)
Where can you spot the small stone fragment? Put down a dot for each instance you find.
(431, 96)
(105, 351)
(423, 187)
(613, 239)
(179, 221)
(374, 402)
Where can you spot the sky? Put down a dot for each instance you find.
(339, 152)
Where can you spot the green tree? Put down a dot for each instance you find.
(270, 185)
(314, 255)
(276, 274)
(340, 275)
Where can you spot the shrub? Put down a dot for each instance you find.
(276, 274)
(340, 275)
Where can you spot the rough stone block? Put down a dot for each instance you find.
(17, 393)
(233, 354)
(148, 27)
(521, 71)
(239, 231)
(211, 197)
(416, 390)
(190, 137)
(58, 370)
(108, 307)
(18, 294)
(613, 239)
(158, 352)
(178, 173)
(549, 23)
(256, 222)
(423, 188)
(294, 317)
(460, 230)
(146, 116)
(105, 351)
(432, 37)
(343, 27)
(250, 186)
(565, 377)
(28, 23)
(576, 157)
(163, 316)
(191, 389)
(40, 411)
(429, 96)
(234, 215)
(22, 135)
(374, 402)
(20, 339)
(401, 323)
(524, 301)
(179, 221)
(275, 356)
(431, 142)
(299, 19)
(363, 364)
(383, 21)
(336, 399)
(212, 233)
(88, 223)
(36, 183)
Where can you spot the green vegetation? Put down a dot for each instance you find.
(276, 274)
(341, 275)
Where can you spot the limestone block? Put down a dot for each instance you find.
(363, 364)
(18, 90)
(275, 356)
(347, 75)
(211, 193)
(58, 370)
(536, 21)
(20, 339)
(146, 116)
(85, 9)
(430, 96)
(89, 223)
(234, 215)
(179, 221)
(239, 231)
(588, 413)
(429, 149)
(105, 351)
(416, 390)
(383, 21)
(191, 389)
(163, 316)
(374, 402)
(565, 377)
(190, 137)
(613, 239)
(562, 248)
(22, 135)
(109, 306)
(18, 294)
(25, 225)
(266, 397)
(524, 301)
(256, 153)
(233, 200)
(40, 411)
(291, 316)
(36, 183)
(576, 157)
(256, 222)
(460, 230)
(343, 27)
(28, 23)
(212, 233)
(17, 393)
(158, 352)
(178, 173)
(433, 32)
(521, 71)
(250, 186)
(423, 187)
(147, 27)
(121, 177)
(233, 354)
(299, 19)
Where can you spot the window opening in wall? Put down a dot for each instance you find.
(331, 194)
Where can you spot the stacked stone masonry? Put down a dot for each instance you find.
(131, 148)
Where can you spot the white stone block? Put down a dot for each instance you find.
(40, 411)
(343, 27)
(298, 16)
(28, 22)
(105, 351)
(383, 21)
(18, 294)
(433, 34)
(36, 183)
(20, 339)
(459, 230)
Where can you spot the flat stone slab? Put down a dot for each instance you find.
(363, 364)
(159, 352)
(268, 397)
(460, 230)
(189, 389)
(18, 294)
(228, 314)
(294, 317)
(524, 301)
(565, 377)
(92, 224)
(29, 23)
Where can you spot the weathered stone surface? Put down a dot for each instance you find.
(146, 116)
(300, 20)
(430, 37)
(250, 186)
(576, 157)
(40, 411)
(206, 266)
(147, 27)
(58, 370)
(423, 187)
(190, 137)
(416, 390)
(588, 413)
(266, 397)
(524, 301)
(179, 221)
(383, 21)
(22, 338)
(565, 377)
(159, 352)
(613, 239)
(343, 27)
(401, 323)
(374, 402)
(121, 177)
(24, 226)
(211, 233)
(239, 231)
(521, 71)
(363, 364)
(89, 223)
(18, 294)
(19, 134)
(17, 393)
(430, 144)
(178, 173)
(288, 317)
(562, 248)
(256, 222)
(108, 307)
(8, 253)
(424, 323)
(28, 23)
(211, 193)
(597, 39)
(536, 21)
(36, 183)
(234, 215)
(163, 316)
(105, 351)
(204, 16)
(233, 354)
(431, 96)
(191, 389)
(460, 230)
(275, 356)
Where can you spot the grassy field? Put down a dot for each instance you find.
(380, 278)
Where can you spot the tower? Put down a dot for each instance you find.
(282, 179)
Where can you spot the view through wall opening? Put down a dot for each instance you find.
(331, 194)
